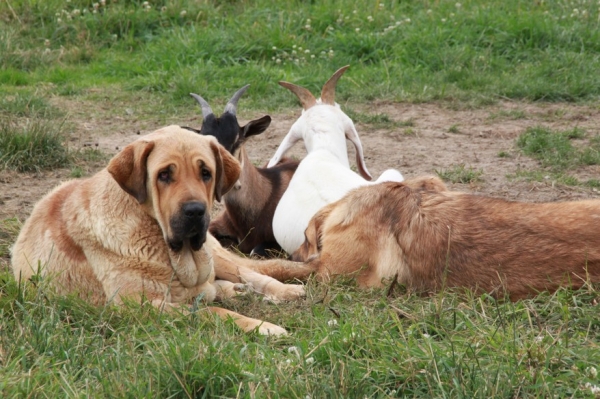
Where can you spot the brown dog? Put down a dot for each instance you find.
(432, 238)
(138, 229)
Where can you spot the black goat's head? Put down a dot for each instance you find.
(226, 127)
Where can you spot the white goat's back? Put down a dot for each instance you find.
(319, 180)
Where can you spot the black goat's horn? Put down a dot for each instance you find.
(206, 109)
(231, 106)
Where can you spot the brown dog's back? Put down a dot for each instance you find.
(432, 238)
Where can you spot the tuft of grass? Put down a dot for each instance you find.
(554, 149)
(35, 146)
(513, 114)
(460, 174)
(454, 129)
(9, 229)
(378, 120)
(28, 105)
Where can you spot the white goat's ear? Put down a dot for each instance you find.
(256, 126)
(352, 135)
(288, 142)
(306, 98)
(328, 91)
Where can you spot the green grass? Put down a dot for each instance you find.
(409, 51)
(557, 153)
(36, 146)
(344, 343)
(460, 174)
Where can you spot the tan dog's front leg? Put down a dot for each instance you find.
(231, 267)
(249, 324)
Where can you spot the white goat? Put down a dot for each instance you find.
(324, 175)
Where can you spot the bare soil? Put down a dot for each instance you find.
(425, 146)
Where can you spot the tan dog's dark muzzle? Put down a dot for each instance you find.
(190, 223)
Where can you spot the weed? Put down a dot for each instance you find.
(460, 174)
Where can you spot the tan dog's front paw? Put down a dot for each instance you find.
(286, 292)
(271, 329)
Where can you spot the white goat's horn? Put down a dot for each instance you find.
(328, 92)
(206, 109)
(231, 106)
(306, 98)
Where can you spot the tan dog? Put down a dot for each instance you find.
(138, 229)
(432, 238)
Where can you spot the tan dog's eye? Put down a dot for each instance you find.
(206, 175)
(164, 176)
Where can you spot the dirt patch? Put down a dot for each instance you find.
(436, 138)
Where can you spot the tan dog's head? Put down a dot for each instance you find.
(175, 175)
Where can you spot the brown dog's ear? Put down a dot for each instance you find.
(128, 168)
(228, 170)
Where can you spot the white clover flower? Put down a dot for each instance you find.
(312, 56)
(370, 18)
(294, 46)
(425, 335)
(58, 20)
(278, 61)
(102, 3)
(357, 29)
(163, 9)
(310, 360)
(407, 20)
(592, 372)
(294, 350)
(288, 361)
(114, 37)
(332, 322)
(46, 42)
(593, 388)
(95, 6)
(145, 4)
(308, 21)
(307, 27)
(307, 51)
(451, 15)
(443, 20)
(182, 13)
(429, 11)
(381, 5)
(76, 12)
(299, 48)
(458, 5)
(273, 48)
(354, 11)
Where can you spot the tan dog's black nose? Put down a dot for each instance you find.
(194, 209)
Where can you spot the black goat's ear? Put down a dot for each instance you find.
(256, 126)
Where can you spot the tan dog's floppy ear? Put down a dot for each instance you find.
(128, 168)
(228, 170)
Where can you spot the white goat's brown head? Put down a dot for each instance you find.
(304, 125)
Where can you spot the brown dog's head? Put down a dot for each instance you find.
(175, 175)
(312, 236)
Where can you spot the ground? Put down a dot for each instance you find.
(415, 139)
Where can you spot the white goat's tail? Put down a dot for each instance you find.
(390, 175)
